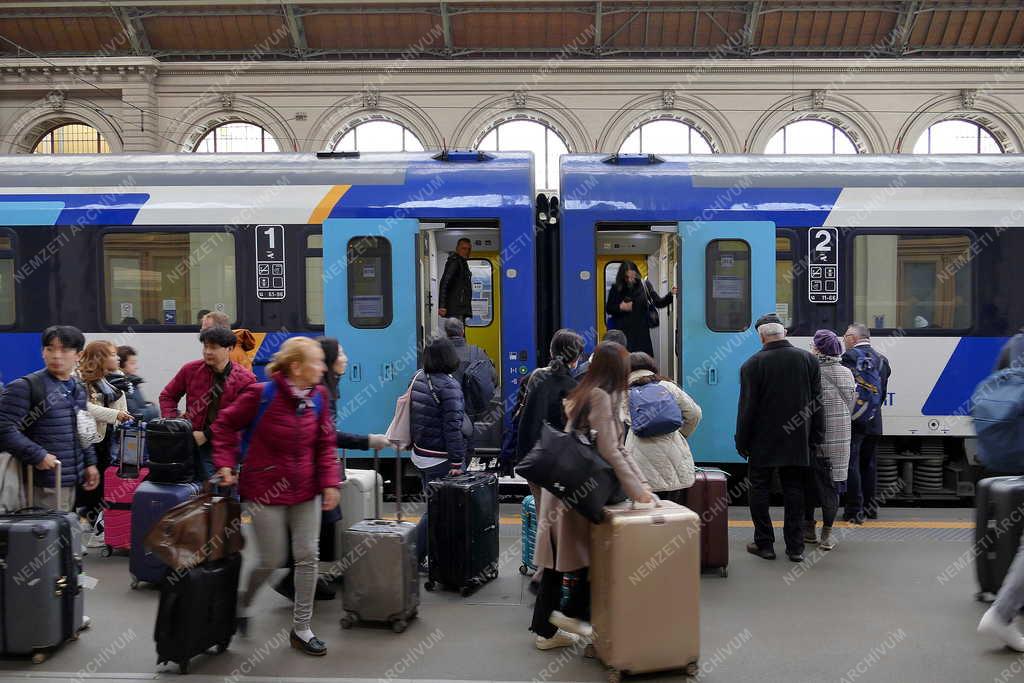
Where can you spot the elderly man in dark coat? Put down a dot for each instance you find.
(780, 418)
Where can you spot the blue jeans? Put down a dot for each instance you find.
(428, 475)
(862, 477)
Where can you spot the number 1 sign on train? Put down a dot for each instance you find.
(823, 266)
(270, 262)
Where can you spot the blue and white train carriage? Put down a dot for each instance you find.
(924, 250)
(134, 248)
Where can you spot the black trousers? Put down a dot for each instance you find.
(793, 481)
(549, 598)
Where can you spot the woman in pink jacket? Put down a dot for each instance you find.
(284, 431)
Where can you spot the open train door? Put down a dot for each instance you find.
(728, 281)
(369, 275)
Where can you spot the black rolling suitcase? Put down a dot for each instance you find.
(173, 454)
(462, 531)
(997, 530)
(197, 611)
(40, 594)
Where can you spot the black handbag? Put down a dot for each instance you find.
(653, 319)
(571, 468)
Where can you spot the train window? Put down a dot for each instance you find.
(369, 282)
(315, 279)
(912, 282)
(6, 281)
(481, 274)
(727, 302)
(168, 278)
(785, 284)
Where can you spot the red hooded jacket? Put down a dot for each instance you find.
(194, 381)
(291, 458)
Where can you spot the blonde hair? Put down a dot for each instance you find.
(90, 368)
(294, 350)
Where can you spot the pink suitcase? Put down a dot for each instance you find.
(117, 509)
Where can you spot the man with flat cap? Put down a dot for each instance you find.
(779, 419)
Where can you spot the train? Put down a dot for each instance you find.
(921, 249)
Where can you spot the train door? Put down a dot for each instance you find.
(655, 254)
(438, 241)
(369, 269)
(728, 281)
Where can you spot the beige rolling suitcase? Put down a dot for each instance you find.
(645, 589)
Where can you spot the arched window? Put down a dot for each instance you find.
(526, 135)
(72, 138)
(237, 136)
(379, 136)
(810, 136)
(957, 137)
(665, 136)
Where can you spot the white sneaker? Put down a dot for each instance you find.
(560, 639)
(581, 628)
(991, 624)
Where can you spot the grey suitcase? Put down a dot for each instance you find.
(40, 595)
(381, 577)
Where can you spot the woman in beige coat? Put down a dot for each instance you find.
(563, 535)
(664, 460)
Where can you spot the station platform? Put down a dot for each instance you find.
(894, 602)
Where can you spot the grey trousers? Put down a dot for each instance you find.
(47, 498)
(270, 526)
(1010, 599)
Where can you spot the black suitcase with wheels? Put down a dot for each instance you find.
(999, 521)
(173, 454)
(462, 531)
(197, 611)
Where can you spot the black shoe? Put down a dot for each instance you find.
(533, 587)
(795, 557)
(242, 626)
(763, 553)
(324, 590)
(314, 647)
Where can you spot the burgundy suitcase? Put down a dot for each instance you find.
(709, 498)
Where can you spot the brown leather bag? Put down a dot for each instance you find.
(207, 527)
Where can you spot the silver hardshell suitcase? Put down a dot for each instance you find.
(40, 563)
(381, 577)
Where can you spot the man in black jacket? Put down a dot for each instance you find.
(455, 291)
(779, 419)
(862, 477)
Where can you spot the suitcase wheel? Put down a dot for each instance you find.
(692, 669)
(430, 586)
(465, 591)
(614, 676)
(399, 625)
(222, 647)
(524, 570)
(106, 551)
(723, 572)
(349, 620)
(183, 667)
(589, 652)
(38, 657)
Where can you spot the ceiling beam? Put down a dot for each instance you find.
(446, 28)
(598, 21)
(295, 28)
(750, 27)
(133, 28)
(899, 38)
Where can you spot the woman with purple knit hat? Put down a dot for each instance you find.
(827, 474)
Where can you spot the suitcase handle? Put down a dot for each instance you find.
(30, 493)
(398, 482)
(655, 503)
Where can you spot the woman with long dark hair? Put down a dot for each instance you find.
(630, 299)
(563, 535)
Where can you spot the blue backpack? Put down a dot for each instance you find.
(869, 388)
(997, 407)
(269, 391)
(653, 410)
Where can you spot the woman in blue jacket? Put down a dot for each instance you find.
(436, 415)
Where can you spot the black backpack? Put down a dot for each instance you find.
(477, 382)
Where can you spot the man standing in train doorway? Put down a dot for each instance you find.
(455, 291)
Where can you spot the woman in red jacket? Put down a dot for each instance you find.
(290, 473)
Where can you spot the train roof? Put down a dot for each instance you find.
(291, 188)
(867, 190)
